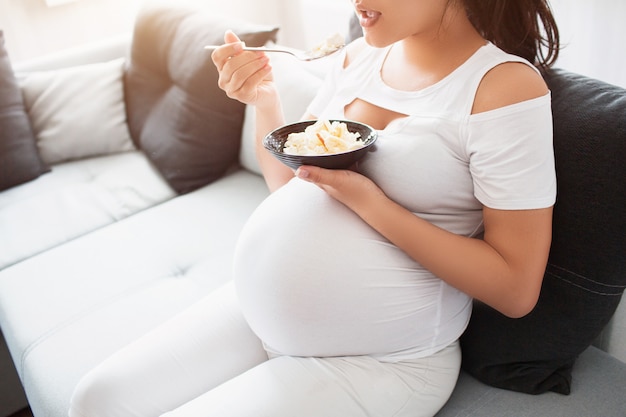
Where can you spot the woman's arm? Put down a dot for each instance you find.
(268, 118)
(504, 270)
(247, 77)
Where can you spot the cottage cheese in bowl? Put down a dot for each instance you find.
(332, 144)
(323, 138)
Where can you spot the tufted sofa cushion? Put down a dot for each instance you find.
(585, 277)
(177, 114)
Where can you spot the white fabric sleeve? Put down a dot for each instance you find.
(511, 156)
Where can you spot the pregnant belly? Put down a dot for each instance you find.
(314, 280)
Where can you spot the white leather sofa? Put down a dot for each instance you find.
(102, 248)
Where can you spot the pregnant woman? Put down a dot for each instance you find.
(351, 304)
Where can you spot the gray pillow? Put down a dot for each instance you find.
(19, 157)
(178, 116)
(64, 106)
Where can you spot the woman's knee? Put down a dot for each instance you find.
(89, 396)
(102, 393)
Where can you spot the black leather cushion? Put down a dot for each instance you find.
(586, 274)
(19, 157)
(184, 123)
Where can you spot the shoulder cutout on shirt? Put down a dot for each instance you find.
(506, 84)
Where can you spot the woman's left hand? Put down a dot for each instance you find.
(348, 187)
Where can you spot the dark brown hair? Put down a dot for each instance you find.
(525, 28)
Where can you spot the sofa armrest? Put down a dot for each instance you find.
(106, 50)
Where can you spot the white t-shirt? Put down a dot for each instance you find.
(315, 280)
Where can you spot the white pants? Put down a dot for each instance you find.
(207, 362)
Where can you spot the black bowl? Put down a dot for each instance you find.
(275, 141)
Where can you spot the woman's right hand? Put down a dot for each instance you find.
(245, 76)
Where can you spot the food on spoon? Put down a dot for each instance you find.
(329, 45)
(323, 138)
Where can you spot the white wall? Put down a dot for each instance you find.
(593, 33)
(31, 28)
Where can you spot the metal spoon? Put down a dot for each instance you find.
(301, 55)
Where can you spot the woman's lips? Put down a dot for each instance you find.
(367, 18)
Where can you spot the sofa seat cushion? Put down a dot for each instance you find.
(597, 390)
(76, 198)
(178, 115)
(101, 291)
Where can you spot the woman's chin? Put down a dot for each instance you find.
(374, 41)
